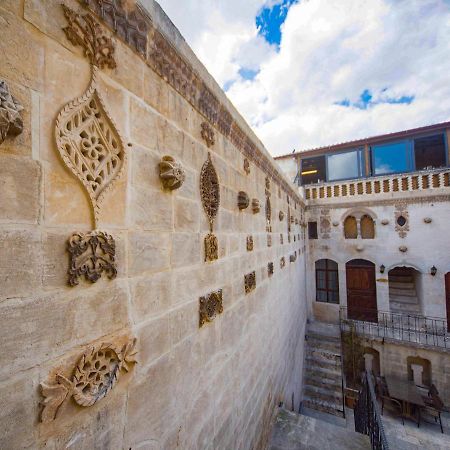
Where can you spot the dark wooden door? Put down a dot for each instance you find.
(447, 298)
(361, 290)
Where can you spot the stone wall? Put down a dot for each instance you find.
(209, 387)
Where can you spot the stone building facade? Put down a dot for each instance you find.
(145, 302)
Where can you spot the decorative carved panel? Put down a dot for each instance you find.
(281, 216)
(282, 262)
(95, 374)
(270, 269)
(281, 238)
(268, 215)
(91, 254)
(171, 173)
(249, 243)
(11, 122)
(209, 190)
(87, 33)
(208, 134)
(250, 282)
(211, 247)
(325, 223)
(256, 207)
(210, 307)
(269, 240)
(246, 166)
(401, 219)
(293, 257)
(243, 200)
(131, 26)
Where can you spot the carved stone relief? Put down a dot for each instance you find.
(171, 173)
(210, 307)
(325, 223)
(95, 374)
(250, 282)
(11, 122)
(270, 269)
(269, 240)
(293, 257)
(401, 219)
(249, 243)
(208, 134)
(210, 196)
(255, 206)
(90, 255)
(246, 166)
(281, 216)
(268, 214)
(282, 262)
(403, 248)
(281, 238)
(243, 200)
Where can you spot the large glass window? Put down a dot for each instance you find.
(313, 170)
(342, 166)
(429, 152)
(391, 158)
(327, 281)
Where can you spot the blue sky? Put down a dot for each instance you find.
(306, 73)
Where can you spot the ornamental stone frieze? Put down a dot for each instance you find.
(207, 134)
(246, 166)
(95, 375)
(171, 173)
(210, 197)
(90, 255)
(210, 306)
(250, 282)
(243, 200)
(11, 122)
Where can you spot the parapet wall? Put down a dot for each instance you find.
(110, 254)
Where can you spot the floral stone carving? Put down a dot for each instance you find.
(401, 219)
(281, 216)
(246, 166)
(282, 262)
(269, 240)
(243, 200)
(249, 243)
(210, 307)
(250, 282)
(270, 269)
(11, 122)
(256, 207)
(207, 134)
(91, 254)
(211, 247)
(171, 173)
(95, 374)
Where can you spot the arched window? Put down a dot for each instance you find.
(350, 228)
(327, 281)
(367, 227)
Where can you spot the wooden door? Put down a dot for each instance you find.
(447, 298)
(361, 290)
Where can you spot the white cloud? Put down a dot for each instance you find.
(331, 50)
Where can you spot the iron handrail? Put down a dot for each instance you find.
(427, 331)
(368, 417)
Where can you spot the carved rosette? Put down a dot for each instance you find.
(90, 255)
(171, 173)
(270, 269)
(249, 243)
(11, 122)
(211, 247)
(256, 207)
(243, 200)
(95, 374)
(210, 307)
(207, 134)
(250, 282)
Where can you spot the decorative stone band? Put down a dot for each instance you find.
(95, 374)
(90, 255)
(167, 62)
(250, 282)
(210, 307)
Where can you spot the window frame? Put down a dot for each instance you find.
(327, 288)
(360, 154)
(410, 163)
(425, 135)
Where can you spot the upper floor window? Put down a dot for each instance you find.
(344, 166)
(429, 152)
(389, 158)
(367, 227)
(327, 281)
(350, 228)
(359, 224)
(312, 230)
(313, 169)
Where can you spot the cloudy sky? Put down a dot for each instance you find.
(306, 73)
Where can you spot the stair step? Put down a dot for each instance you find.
(323, 373)
(322, 393)
(324, 330)
(403, 299)
(402, 308)
(402, 285)
(323, 363)
(402, 292)
(401, 279)
(318, 354)
(329, 408)
(333, 386)
(332, 347)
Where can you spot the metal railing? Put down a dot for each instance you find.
(411, 328)
(367, 415)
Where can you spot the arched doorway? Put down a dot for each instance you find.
(361, 290)
(404, 290)
(447, 298)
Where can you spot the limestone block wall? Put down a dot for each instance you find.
(209, 387)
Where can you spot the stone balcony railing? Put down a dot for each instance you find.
(407, 182)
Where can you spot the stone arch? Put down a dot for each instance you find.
(350, 227)
(367, 227)
(405, 290)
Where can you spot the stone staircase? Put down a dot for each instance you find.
(322, 386)
(402, 293)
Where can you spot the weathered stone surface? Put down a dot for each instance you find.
(183, 322)
(154, 339)
(187, 215)
(186, 249)
(19, 190)
(144, 125)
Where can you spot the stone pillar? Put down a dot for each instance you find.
(368, 362)
(417, 371)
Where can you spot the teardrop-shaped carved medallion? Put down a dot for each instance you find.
(209, 190)
(90, 145)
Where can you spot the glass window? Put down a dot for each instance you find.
(313, 170)
(390, 158)
(350, 228)
(327, 281)
(429, 152)
(343, 166)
